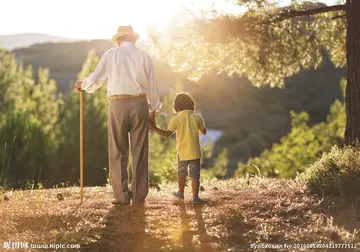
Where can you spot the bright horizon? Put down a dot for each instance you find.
(82, 20)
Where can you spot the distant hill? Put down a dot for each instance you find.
(13, 41)
(65, 60)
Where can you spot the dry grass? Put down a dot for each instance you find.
(236, 213)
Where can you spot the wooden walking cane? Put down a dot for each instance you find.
(81, 148)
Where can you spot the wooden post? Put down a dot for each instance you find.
(81, 149)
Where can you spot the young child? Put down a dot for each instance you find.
(187, 125)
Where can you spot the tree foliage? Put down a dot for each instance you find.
(95, 107)
(301, 147)
(219, 169)
(256, 44)
(29, 121)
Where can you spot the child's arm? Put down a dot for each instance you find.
(201, 125)
(164, 133)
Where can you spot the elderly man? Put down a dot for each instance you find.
(131, 88)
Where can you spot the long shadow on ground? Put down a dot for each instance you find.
(178, 227)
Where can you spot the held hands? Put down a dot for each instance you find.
(152, 116)
(152, 124)
(152, 120)
(77, 85)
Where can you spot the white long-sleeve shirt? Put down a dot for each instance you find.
(129, 71)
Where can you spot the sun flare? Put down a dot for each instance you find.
(91, 20)
(141, 14)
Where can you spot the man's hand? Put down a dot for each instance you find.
(78, 85)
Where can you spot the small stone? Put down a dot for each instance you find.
(60, 196)
(7, 196)
(215, 188)
(202, 189)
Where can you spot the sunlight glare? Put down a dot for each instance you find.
(94, 20)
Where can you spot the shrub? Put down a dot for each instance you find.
(219, 169)
(162, 159)
(336, 173)
(25, 152)
(301, 147)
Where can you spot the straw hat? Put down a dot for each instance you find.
(124, 31)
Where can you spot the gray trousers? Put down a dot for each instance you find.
(193, 165)
(128, 129)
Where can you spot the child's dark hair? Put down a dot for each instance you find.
(183, 101)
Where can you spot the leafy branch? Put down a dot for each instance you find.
(297, 13)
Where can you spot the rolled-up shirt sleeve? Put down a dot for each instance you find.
(153, 95)
(97, 78)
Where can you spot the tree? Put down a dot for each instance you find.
(39, 101)
(95, 133)
(268, 44)
(26, 152)
(8, 76)
(29, 123)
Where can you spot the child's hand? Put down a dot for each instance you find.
(152, 125)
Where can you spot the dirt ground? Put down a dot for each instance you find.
(237, 215)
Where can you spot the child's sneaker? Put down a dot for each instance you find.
(178, 195)
(197, 201)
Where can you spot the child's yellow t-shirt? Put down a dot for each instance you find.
(187, 124)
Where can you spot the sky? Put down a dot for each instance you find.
(79, 19)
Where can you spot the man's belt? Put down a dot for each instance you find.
(120, 97)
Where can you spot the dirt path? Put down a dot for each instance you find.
(235, 214)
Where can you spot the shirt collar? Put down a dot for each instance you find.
(186, 112)
(127, 44)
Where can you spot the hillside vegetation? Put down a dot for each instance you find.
(252, 119)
